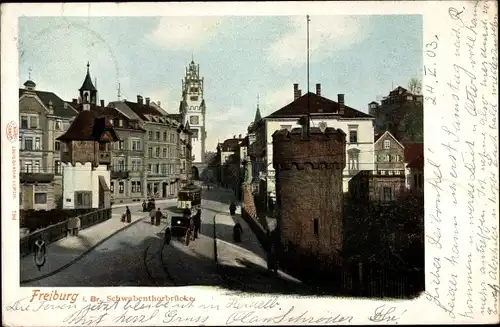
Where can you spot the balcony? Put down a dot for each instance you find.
(40, 177)
(119, 174)
(104, 157)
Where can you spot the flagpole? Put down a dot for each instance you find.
(308, 101)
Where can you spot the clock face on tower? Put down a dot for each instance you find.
(194, 120)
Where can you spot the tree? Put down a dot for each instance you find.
(415, 85)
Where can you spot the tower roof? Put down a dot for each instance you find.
(29, 83)
(87, 83)
(258, 117)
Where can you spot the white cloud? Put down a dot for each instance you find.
(326, 35)
(278, 98)
(235, 121)
(177, 33)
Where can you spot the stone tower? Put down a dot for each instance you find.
(309, 191)
(193, 110)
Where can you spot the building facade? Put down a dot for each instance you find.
(414, 163)
(43, 117)
(193, 111)
(161, 163)
(323, 113)
(374, 187)
(389, 155)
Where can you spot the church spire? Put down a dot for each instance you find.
(258, 117)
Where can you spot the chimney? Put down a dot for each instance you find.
(239, 136)
(74, 101)
(147, 101)
(340, 98)
(234, 136)
(295, 91)
(318, 89)
(139, 99)
(102, 103)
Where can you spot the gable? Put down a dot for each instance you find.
(379, 143)
(30, 103)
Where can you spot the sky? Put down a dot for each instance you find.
(244, 60)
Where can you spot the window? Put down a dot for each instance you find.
(120, 122)
(133, 187)
(157, 152)
(387, 194)
(195, 134)
(112, 187)
(138, 187)
(387, 144)
(28, 166)
(157, 169)
(33, 122)
(36, 168)
(194, 98)
(316, 226)
(287, 127)
(57, 167)
(83, 199)
(57, 146)
(37, 143)
(150, 135)
(58, 125)
(40, 198)
(150, 152)
(111, 122)
(136, 145)
(157, 135)
(121, 145)
(121, 188)
(164, 169)
(353, 160)
(24, 122)
(136, 164)
(164, 152)
(150, 168)
(28, 143)
(121, 165)
(164, 136)
(353, 136)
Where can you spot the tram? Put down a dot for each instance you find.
(189, 197)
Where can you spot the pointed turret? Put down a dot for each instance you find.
(88, 92)
(258, 117)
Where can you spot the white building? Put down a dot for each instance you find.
(193, 110)
(86, 155)
(357, 125)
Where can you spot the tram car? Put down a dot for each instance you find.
(189, 197)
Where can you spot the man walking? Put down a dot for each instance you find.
(158, 217)
(197, 223)
(152, 214)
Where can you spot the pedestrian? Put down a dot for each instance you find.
(152, 215)
(129, 215)
(232, 208)
(197, 223)
(144, 206)
(158, 217)
(237, 231)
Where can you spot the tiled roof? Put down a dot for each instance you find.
(88, 125)
(317, 104)
(115, 115)
(413, 151)
(418, 162)
(142, 110)
(60, 107)
(176, 117)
